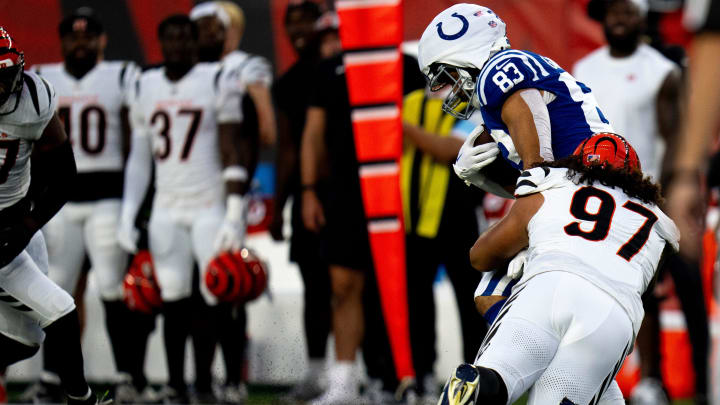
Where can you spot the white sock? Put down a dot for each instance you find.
(343, 374)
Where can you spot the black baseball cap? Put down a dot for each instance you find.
(82, 19)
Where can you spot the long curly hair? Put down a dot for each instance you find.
(631, 182)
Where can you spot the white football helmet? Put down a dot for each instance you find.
(453, 49)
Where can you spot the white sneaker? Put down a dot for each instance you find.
(235, 394)
(339, 396)
(649, 391)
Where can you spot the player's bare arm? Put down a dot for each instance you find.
(442, 148)
(519, 117)
(234, 153)
(286, 163)
(669, 113)
(260, 95)
(312, 152)
(506, 238)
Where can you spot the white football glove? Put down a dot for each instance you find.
(127, 236)
(517, 264)
(231, 235)
(471, 159)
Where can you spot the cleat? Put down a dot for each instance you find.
(92, 399)
(462, 386)
(42, 392)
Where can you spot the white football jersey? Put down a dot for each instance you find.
(22, 121)
(248, 69)
(90, 109)
(598, 233)
(626, 90)
(181, 118)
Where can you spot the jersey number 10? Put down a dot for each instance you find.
(603, 219)
(91, 149)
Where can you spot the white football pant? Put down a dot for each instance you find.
(558, 336)
(90, 228)
(179, 239)
(29, 300)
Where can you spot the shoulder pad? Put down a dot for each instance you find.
(539, 179)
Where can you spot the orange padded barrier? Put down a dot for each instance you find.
(378, 133)
(370, 23)
(374, 77)
(381, 194)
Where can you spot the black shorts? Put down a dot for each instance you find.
(345, 236)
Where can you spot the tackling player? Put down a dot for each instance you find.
(93, 98)
(185, 119)
(32, 307)
(594, 237)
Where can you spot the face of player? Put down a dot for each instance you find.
(300, 29)
(623, 26)
(211, 39)
(179, 47)
(81, 49)
(330, 44)
(7, 79)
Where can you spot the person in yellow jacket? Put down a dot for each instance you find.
(438, 212)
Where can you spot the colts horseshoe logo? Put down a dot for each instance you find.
(463, 30)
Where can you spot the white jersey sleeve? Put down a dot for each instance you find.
(230, 93)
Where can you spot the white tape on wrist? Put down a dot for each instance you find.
(235, 173)
(235, 207)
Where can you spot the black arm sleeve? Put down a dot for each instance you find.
(52, 179)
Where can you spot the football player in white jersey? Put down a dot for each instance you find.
(221, 25)
(640, 90)
(93, 99)
(594, 237)
(185, 118)
(32, 307)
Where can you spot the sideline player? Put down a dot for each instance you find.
(185, 119)
(594, 237)
(93, 99)
(32, 307)
(220, 26)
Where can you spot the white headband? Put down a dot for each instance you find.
(210, 9)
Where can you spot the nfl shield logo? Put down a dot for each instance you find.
(492, 24)
(592, 158)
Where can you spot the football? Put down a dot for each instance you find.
(499, 171)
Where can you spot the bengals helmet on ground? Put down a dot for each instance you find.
(12, 62)
(236, 276)
(141, 291)
(608, 149)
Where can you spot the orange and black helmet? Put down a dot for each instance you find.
(608, 149)
(12, 62)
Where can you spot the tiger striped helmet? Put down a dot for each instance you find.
(609, 150)
(12, 62)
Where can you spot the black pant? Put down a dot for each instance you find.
(688, 287)
(450, 247)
